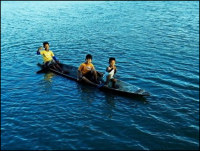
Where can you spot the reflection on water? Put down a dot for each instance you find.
(109, 105)
(131, 97)
(86, 92)
(110, 99)
(48, 76)
(92, 95)
(48, 81)
(106, 99)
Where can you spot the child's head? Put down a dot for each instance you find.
(46, 45)
(88, 58)
(112, 60)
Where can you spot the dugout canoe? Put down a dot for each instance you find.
(124, 88)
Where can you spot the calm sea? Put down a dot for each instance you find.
(156, 46)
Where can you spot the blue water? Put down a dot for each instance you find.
(156, 46)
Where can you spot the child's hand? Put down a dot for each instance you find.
(113, 67)
(40, 48)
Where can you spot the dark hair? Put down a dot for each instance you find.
(111, 58)
(88, 56)
(44, 43)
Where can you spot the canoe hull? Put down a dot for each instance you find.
(124, 88)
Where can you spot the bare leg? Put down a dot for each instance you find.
(107, 79)
(86, 80)
(99, 73)
(113, 82)
(94, 72)
(59, 67)
(105, 83)
(54, 67)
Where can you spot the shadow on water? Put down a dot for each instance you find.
(86, 92)
(108, 94)
(136, 97)
(89, 94)
(109, 105)
(99, 100)
(106, 100)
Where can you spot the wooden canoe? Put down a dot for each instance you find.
(124, 88)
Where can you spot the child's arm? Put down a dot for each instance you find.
(38, 51)
(109, 69)
(79, 73)
(115, 70)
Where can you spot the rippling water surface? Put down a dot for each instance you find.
(156, 45)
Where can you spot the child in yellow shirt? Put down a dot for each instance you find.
(48, 56)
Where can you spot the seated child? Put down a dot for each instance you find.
(48, 56)
(86, 71)
(109, 74)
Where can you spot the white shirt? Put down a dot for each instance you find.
(109, 73)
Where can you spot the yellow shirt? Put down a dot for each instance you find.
(47, 55)
(85, 68)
